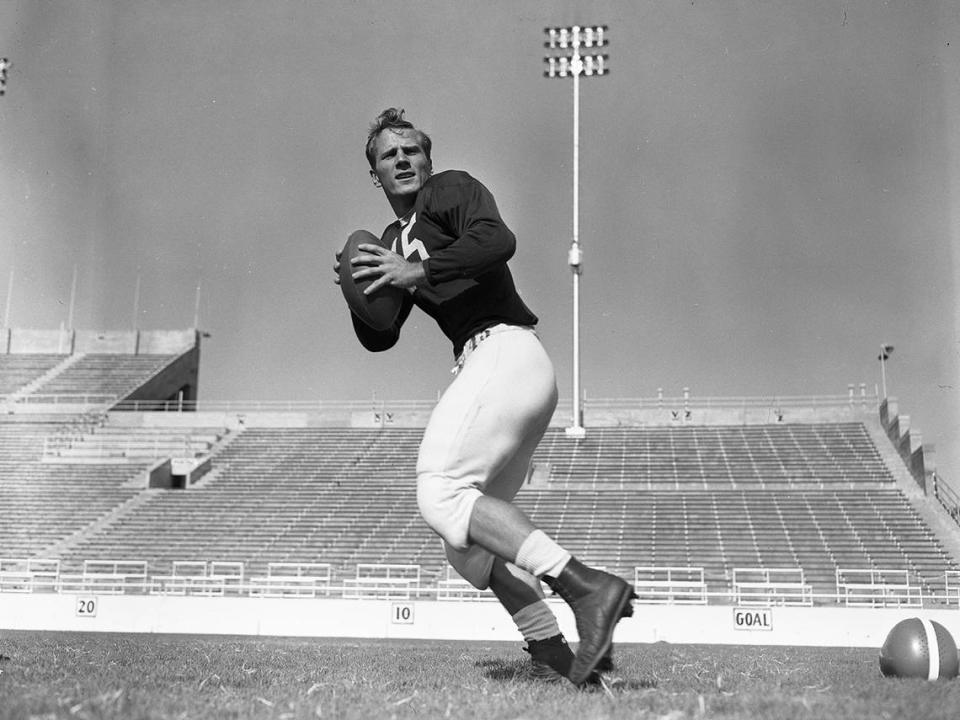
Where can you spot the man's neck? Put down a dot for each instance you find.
(402, 205)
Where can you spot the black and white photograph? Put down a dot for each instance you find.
(521, 359)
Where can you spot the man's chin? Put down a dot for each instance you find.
(406, 189)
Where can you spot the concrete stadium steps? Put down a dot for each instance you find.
(16, 371)
(333, 453)
(41, 505)
(715, 456)
(349, 522)
(23, 441)
(110, 440)
(645, 457)
(105, 374)
(347, 496)
(816, 530)
(342, 524)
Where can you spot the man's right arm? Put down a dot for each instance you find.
(380, 340)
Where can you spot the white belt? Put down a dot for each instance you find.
(473, 342)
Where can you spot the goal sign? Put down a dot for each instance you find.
(752, 619)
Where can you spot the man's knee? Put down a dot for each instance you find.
(473, 564)
(445, 506)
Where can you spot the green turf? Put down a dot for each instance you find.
(62, 675)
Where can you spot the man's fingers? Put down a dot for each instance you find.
(376, 285)
(366, 260)
(374, 249)
(365, 273)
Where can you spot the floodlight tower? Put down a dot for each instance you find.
(885, 352)
(566, 60)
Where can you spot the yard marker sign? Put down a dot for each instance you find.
(86, 606)
(401, 613)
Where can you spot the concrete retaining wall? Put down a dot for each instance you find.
(469, 620)
(127, 342)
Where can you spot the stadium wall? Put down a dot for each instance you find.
(463, 620)
(415, 414)
(126, 342)
(178, 381)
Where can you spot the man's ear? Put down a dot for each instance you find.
(376, 180)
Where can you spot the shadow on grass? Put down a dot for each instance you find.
(511, 670)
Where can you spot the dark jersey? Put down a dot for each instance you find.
(456, 231)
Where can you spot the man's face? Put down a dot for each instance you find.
(400, 163)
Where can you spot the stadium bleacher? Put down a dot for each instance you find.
(16, 371)
(105, 374)
(42, 504)
(789, 455)
(748, 509)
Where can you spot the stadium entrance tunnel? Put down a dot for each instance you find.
(177, 473)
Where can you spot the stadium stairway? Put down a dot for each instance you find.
(62, 546)
(19, 370)
(47, 375)
(930, 511)
(106, 374)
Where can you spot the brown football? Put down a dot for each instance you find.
(379, 309)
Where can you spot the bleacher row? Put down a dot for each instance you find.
(93, 374)
(697, 510)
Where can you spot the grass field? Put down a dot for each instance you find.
(61, 675)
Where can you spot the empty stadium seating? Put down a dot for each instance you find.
(16, 371)
(747, 508)
(42, 504)
(712, 457)
(346, 497)
(105, 374)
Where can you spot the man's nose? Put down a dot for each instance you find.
(402, 158)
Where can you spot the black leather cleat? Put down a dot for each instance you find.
(599, 600)
(551, 658)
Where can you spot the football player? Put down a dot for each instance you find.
(449, 249)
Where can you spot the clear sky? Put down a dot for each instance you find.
(768, 187)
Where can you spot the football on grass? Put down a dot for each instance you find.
(378, 309)
(917, 648)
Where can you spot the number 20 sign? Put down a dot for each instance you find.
(86, 607)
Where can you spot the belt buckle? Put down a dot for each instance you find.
(472, 343)
(479, 338)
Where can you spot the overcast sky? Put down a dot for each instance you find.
(768, 188)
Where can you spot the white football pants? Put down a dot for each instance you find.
(481, 437)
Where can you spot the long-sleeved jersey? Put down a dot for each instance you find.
(456, 231)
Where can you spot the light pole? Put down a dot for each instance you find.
(885, 352)
(566, 60)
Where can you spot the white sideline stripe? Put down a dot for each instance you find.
(933, 649)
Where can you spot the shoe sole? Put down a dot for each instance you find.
(623, 609)
(546, 674)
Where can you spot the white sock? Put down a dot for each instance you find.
(536, 622)
(539, 555)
